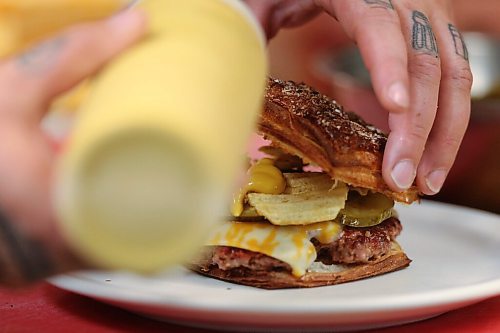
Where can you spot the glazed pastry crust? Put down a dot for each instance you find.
(303, 122)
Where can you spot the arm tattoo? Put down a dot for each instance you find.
(380, 3)
(22, 259)
(458, 40)
(423, 38)
(42, 57)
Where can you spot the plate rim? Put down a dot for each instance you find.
(468, 293)
(403, 302)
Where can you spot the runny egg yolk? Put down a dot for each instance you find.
(263, 177)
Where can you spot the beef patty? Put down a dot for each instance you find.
(355, 245)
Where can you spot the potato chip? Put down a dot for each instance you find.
(309, 199)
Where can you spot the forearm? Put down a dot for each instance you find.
(29, 256)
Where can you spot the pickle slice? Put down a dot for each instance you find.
(366, 210)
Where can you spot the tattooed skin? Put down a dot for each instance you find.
(423, 38)
(22, 259)
(41, 57)
(380, 3)
(458, 40)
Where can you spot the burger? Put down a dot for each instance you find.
(316, 211)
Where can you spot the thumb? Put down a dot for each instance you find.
(60, 63)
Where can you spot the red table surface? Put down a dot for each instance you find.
(45, 308)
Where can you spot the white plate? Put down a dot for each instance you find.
(455, 254)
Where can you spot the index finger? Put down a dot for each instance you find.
(409, 131)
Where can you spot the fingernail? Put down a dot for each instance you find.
(435, 180)
(403, 174)
(399, 94)
(127, 20)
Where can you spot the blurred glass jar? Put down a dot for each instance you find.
(475, 178)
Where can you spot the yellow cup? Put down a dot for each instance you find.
(151, 163)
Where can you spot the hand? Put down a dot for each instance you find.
(420, 72)
(30, 246)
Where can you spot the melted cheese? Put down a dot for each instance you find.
(290, 244)
(264, 177)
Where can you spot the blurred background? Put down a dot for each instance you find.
(321, 55)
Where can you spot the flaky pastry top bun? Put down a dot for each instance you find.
(303, 122)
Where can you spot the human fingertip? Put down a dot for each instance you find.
(399, 95)
(435, 180)
(403, 174)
